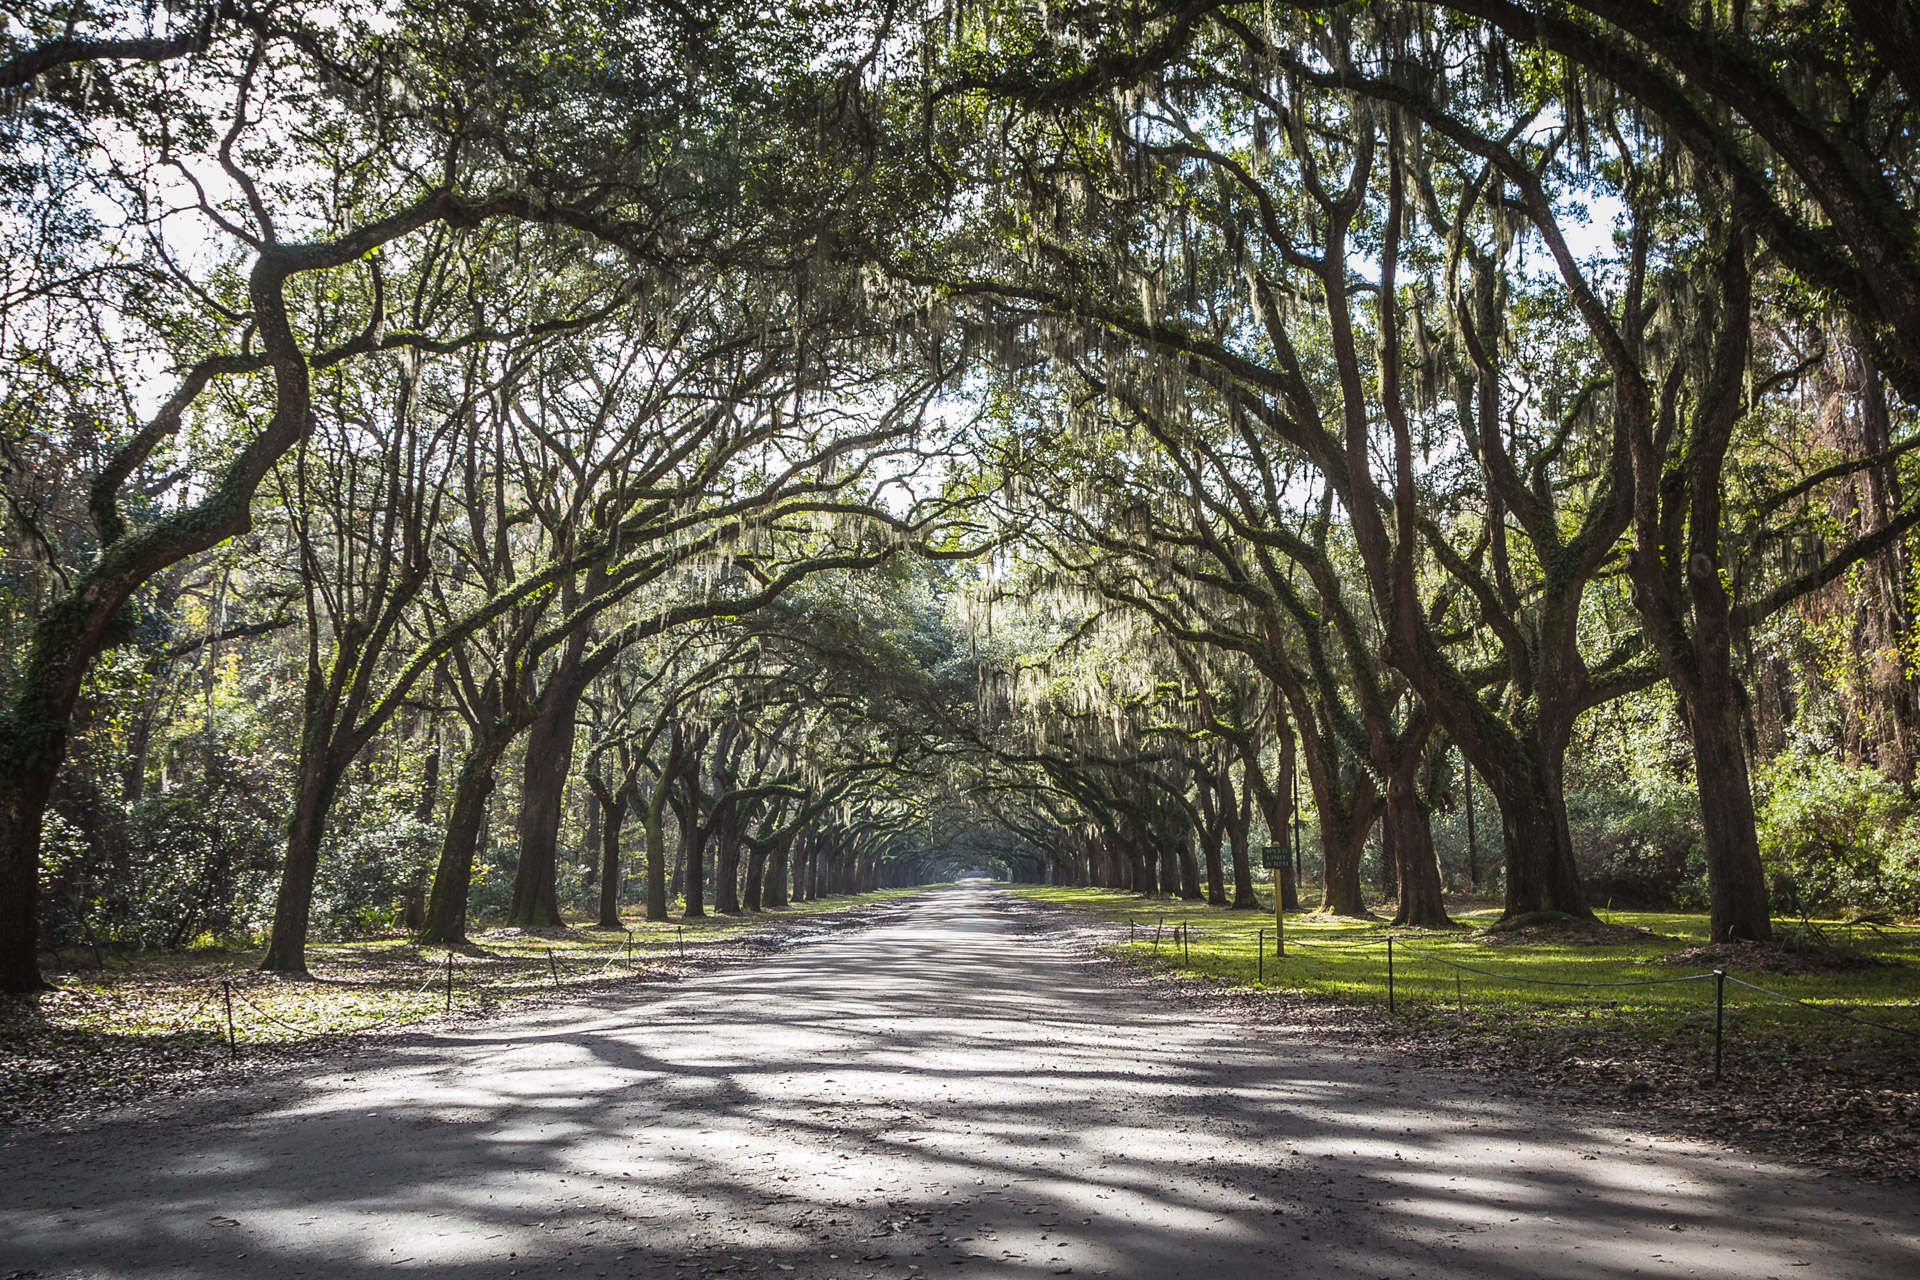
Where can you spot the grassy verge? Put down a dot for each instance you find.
(1790, 1071)
(156, 1023)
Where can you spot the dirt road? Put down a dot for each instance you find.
(942, 1094)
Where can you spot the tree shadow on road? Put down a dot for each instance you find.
(937, 1096)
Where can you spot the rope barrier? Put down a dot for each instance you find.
(367, 1026)
(1324, 946)
(204, 1002)
(1551, 982)
(1831, 1013)
(1719, 976)
(621, 953)
(267, 1014)
(1504, 977)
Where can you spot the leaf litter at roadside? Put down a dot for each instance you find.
(1773, 957)
(107, 1040)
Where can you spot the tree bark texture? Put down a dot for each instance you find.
(446, 923)
(543, 785)
(611, 817)
(1407, 843)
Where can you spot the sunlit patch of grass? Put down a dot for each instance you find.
(1499, 987)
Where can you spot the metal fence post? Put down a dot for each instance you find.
(1390, 1005)
(449, 979)
(1262, 949)
(553, 965)
(1719, 1016)
(233, 1045)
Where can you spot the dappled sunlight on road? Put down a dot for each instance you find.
(943, 1092)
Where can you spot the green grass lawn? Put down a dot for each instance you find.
(1346, 961)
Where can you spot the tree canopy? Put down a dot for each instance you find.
(1194, 448)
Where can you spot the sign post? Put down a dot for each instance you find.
(1273, 858)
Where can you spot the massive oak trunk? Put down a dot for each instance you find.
(1522, 763)
(1238, 816)
(774, 891)
(324, 758)
(293, 905)
(727, 835)
(446, 922)
(1283, 818)
(543, 785)
(1190, 868)
(1736, 880)
(1528, 788)
(612, 815)
(1409, 865)
(1139, 865)
(657, 852)
(1211, 795)
(1343, 843)
(1687, 614)
(694, 872)
(1216, 878)
(1407, 844)
(1348, 808)
(24, 794)
(1345, 797)
(756, 874)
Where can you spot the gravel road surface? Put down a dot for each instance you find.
(951, 1092)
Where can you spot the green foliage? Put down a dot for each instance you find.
(365, 872)
(164, 872)
(1640, 847)
(1837, 837)
(1633, 808)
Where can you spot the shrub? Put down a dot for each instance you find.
(365, 871)
(197, 864)
(1836, 837)
(1632, 805)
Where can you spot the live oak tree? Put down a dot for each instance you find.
(825, 434)
(1615, 85)
(239, 327)
(297, 155)
(1305, 374)
(1228, 571)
